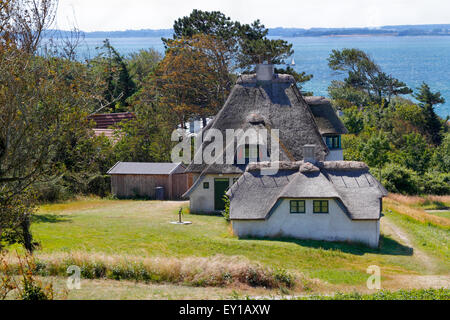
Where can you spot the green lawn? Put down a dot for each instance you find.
(422, 294)
(445, 214)
(433, 240)
(143, 228)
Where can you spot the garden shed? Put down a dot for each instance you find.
(142, 179)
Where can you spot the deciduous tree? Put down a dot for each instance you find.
(193, 79)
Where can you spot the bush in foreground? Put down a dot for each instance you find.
(217, 271)
(18, 280)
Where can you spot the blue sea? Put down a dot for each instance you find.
(410, 59)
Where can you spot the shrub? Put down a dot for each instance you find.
(353, 120)
(28, 288)
(283, 277)
(436, 183)
(350, 144)
(398, 179)
(52, 191)
(72, 184)
(99, 185)
(215, 271)
(226, 211)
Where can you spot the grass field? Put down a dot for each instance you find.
(440, 213)
(142, 229)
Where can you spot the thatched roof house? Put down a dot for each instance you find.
(332, 200)
(254, 196)
(266, 104)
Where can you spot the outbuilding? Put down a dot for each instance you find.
(162, 181)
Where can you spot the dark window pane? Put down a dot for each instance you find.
(333, 142)
(297, 206)
(320, 206)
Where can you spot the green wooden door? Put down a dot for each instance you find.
(220, 188)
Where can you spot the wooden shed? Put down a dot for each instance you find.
(140, 179)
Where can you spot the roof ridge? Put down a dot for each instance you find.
(296, 165)
(300, 98)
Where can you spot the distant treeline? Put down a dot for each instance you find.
(404, 30)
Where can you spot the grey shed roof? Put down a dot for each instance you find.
(325, 116)
(254, 196)
(275, 104)
(146, 168)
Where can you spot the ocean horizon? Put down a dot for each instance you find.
(411, 59)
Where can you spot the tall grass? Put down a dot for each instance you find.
(429, 202)
(405, 206)
(216, 271)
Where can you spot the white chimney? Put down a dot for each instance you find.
(309, 153)
(265, 72)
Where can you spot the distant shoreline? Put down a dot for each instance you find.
(394, 31)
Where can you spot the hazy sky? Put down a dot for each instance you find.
(104, 15)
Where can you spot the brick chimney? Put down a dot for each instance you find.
(309, 153)
(264, 72)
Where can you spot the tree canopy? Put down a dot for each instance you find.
(427, 100)
(247, 42)
(363, 76)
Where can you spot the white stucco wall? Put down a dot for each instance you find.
(202, 200)
(335, 155)
(334, 226)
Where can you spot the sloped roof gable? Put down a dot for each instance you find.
(325, 116)
(350, 183)
(280, 105)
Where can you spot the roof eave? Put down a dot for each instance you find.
(109, 171)
(187, 194)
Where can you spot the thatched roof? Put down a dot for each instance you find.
(325, 116)
(254, 196)
(275, 104)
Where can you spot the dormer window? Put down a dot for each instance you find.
(333, 142)
(247, 154)
(251, 153)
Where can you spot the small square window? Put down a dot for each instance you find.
(320, 206)
(298, 206)
(333, 142)
(205, 185)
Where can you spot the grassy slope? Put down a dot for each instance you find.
(433, 240)
(444, 214)
(143, 229)
(428, 231)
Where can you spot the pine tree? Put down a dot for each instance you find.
(427, 100)
(119, 85)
